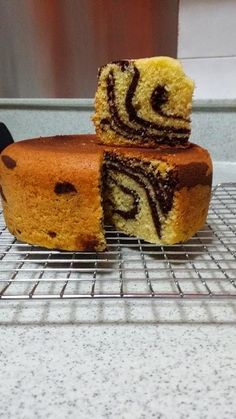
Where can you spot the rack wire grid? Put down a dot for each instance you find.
(202, 268)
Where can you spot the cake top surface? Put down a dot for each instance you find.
(56, 144)
(73, 154)
(160, 60)
(89, 145)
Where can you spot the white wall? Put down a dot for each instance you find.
(207, 46)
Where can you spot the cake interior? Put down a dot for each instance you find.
(144, 101)
(137, 195)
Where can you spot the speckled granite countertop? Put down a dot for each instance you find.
(119, 359)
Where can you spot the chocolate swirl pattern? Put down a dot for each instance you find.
(157, 189)
(133, 211)
(119, 116)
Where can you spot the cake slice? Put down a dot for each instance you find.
(144, 102)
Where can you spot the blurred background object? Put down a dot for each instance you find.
(53, 48)
(207, 46)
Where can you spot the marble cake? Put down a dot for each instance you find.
(58, 191)
(144, 102)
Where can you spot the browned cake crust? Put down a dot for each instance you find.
(51, 191)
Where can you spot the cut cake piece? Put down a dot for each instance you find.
(145, 102)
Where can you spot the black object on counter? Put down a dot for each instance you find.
(5, 137)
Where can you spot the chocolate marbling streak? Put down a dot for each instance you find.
(148, 124)
(129, 214)
(162, 188)
(133, 133)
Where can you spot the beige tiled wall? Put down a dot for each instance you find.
(207, 46)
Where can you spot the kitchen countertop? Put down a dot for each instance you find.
(119, 358)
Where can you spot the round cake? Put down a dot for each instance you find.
(58, 191)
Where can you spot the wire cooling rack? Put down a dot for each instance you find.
(202, 268)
